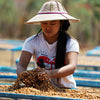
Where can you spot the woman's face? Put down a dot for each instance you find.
(50, 28)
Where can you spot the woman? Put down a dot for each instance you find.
(52, 48)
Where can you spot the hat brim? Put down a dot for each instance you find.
(50, 17)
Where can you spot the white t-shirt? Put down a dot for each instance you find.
(45, 53)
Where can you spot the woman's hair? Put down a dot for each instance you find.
(61, 45)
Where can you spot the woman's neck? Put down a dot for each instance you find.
(51, 40)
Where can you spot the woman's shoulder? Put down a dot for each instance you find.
(33, 38)
(72, 45)
(72, 41)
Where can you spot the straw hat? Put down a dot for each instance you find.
(52, 10)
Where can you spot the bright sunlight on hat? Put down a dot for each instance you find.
(52, 10)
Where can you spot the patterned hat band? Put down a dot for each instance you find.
(52, 13)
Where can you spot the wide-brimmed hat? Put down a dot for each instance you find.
(52, 10)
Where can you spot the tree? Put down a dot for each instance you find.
(7, 17)
(95, 21)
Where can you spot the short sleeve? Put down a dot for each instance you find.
(28, 46)
(72, 45)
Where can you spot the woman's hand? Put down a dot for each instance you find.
(48, 73)
(42, 74)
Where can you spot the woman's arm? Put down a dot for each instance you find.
(69, 68)
(23, 62)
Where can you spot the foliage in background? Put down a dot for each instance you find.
(15, 13)
(8, 18)
(87, 31)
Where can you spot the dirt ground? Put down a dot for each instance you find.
(6, 57)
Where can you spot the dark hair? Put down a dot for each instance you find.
(61, 45)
